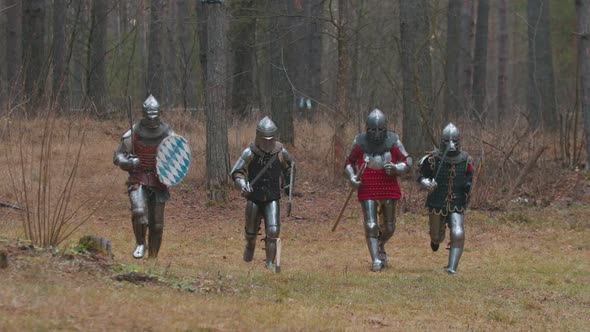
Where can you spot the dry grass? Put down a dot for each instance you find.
(524, 268)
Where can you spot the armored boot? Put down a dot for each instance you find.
(155, 240)
(139, 230)
(457, 241)
(373, 244)
(250, 246)
(156, 229)
(454, 257)
(271, 252)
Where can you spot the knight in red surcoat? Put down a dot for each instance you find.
(136, 154)
(378, 189)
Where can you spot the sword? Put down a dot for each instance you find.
(357, 177)
(130, 115)
(291, 178)
(441, 163)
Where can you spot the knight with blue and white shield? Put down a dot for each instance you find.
(138, 154)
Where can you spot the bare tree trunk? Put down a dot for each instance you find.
(452, 92)
(281, 93)
(341, 110)
(77, 56)
(186, 31)
(13, 50)
(480, 59)
(243, 37)
(417, 75)
(315, 55)
(97, 49)
(583, 32)
(541, 102)
(357, 54)
(502, 94)
(142, 45)
(217, 143)
(170, 80)
(60, 85)
(155, 71)
(33, 43)
(466, 55)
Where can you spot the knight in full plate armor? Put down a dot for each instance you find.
(447, 175)
(258, 174)
(378, 189)
(136, 154)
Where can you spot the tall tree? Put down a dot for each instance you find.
(77, 55)
(33, 43)
(155, 71)
(583, 33)
(341, 100)
(502, 92)
(215, 85)
(281, 93)
(452, 88)
(466, 55)
(243, 36)
(480, 58)
(541, 103)
(13, 48)
(59, 88)
(185, 30)
(314, 39)
(97, 49)
(417, 75)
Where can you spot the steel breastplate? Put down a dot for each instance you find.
(376, 161)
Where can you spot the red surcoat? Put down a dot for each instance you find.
(375, 183)
(146, 173)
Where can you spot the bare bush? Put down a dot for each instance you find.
(43, 163)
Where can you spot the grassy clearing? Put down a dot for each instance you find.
(524, 267)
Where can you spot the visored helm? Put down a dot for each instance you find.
(151, 111)
(266, 132)
(376, 127)
(451, 140)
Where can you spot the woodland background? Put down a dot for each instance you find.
(512, 74)
(510, 68)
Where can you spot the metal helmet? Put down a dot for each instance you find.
(266, 131)
(151, 110)
(376, 127)
(451, 140)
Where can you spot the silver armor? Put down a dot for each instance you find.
(266, 131)
(451, 140)
(147, 196)
(260, 185)
(457, 233)
(375, 193)
(450, 216)
(376, 126)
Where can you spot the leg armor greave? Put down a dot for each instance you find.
(139, 218)
(457, 241)
(156, 228)
(272, 230)
(388, 227)
(372, 232)
(251, 228)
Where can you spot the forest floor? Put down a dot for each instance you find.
(525, 267)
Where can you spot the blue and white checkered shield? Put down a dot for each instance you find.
(172, 160)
